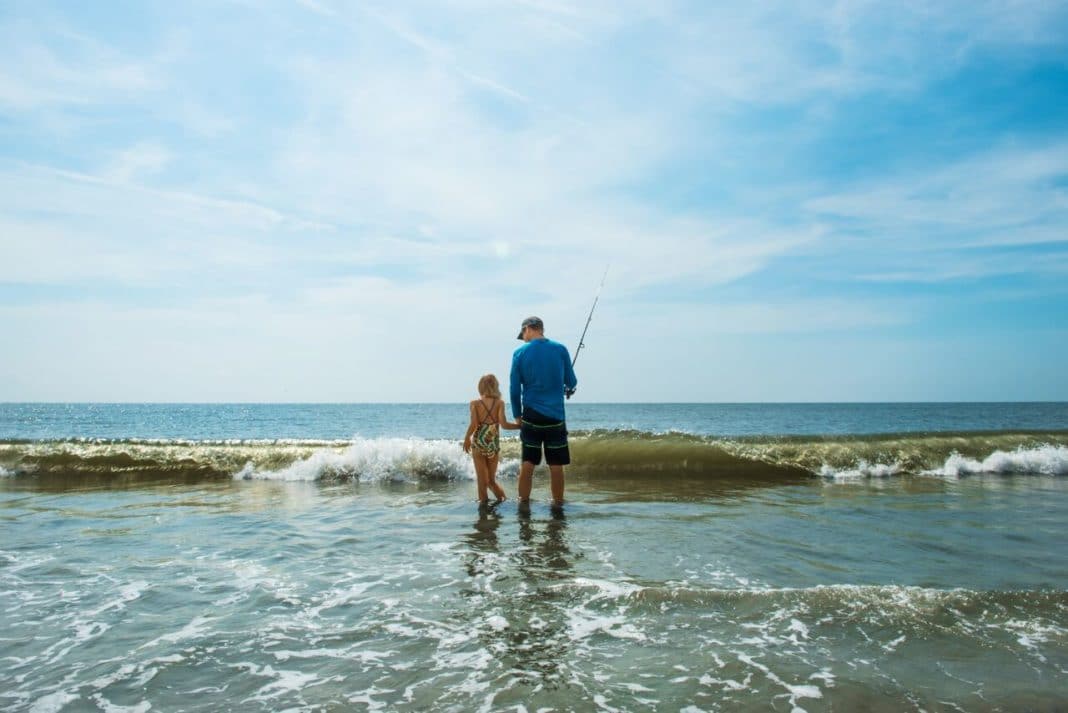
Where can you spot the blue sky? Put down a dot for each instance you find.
(315, 200)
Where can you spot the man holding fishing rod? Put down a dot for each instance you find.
(541, 375)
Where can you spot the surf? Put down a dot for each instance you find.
(596, 454)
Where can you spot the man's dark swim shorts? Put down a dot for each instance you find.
(538, 431)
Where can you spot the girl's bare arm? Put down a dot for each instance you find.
(503, 420)
(470, 428)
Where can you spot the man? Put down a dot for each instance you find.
(541, 373)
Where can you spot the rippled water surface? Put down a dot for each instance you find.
(646, 593)
(814, 557)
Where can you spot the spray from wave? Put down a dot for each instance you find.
(1043, 460)
(374, 460)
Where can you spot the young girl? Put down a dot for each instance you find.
(483, 435)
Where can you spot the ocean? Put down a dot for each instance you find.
(785, 557)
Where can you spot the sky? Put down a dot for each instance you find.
(327, 201)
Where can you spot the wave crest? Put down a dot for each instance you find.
(1043, 460)
(375, 460)
(595, 454)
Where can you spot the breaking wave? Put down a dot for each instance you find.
(594, 453)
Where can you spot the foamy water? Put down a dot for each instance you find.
(375, 460)
(1040, 460)
(401, 594)
(199, 558)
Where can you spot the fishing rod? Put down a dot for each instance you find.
(582, 342)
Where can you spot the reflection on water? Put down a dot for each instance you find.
(483, 546)
(544, 554)
(514, 587)
(543, 558)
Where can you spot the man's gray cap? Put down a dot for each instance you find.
(534, 322)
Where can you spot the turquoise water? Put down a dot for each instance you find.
(160, 561)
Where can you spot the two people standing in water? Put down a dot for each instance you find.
(541, 375)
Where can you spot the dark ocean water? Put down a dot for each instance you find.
(710, 557)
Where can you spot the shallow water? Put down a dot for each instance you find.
(710, 557)
(645, 594)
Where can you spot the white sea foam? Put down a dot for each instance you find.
(794, 691)
(861, 469)
(378, 459)
(1042, 460)
(5, 473)
(250, 576)
(284, 682)
(892, 646)
(1031, 634)
(127, 593)
(109, 707)
(23, 563)
(799, 629)
(606, 589)
(137, 674)
(584, 623)
(366, 698)
(53, 702)
(339, 597)
(1039, 460)
(727, 684)
(197, 627)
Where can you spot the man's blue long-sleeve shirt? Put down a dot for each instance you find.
(541, 370)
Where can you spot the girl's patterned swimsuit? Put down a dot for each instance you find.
(487, 439)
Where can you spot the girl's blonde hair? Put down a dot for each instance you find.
(488, 386)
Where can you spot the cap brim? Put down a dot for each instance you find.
(520, 332)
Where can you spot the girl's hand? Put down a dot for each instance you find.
(467, 445)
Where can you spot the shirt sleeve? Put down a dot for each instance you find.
(515, 387)
(570, 380)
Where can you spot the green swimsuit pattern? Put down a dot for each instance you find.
(487, 440)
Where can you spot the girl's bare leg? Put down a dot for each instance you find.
(481, 476)
(491, 473)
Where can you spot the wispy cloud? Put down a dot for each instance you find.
(34, 74)
(138, 160)
(934, 218)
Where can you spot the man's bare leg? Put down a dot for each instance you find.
(556, 484)
(526, 481)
